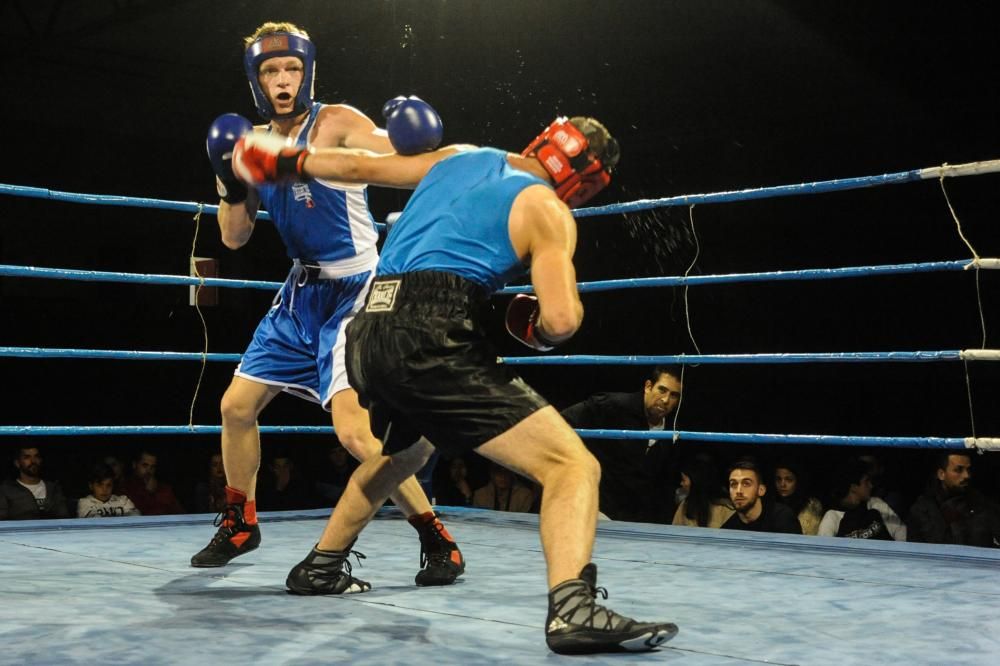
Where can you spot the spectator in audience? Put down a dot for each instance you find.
(455, 490)
(856, 513)
(884, 485)
(210, 493)
(101, 502)
(951, 510)
(332, 479)
(503, 493)
(283, 489)
(637, 476)
(703, 504)
(791, 489)
(150, 495)
(747, 490)
(28, 496)
(118, 470)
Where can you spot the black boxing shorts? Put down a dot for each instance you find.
(419, 358)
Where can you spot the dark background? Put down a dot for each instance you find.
(115, 98)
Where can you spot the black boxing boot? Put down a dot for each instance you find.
(326, 572)
(237, 535)
(441, 561)
(577, 625)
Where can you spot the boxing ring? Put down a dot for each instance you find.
(84, 591)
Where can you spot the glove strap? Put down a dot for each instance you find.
(290, 163)
(231, 191)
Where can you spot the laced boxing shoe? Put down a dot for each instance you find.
(238, 532)
(578, 625)
(326, 572)
(441, 562)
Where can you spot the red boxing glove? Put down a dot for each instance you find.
(522, 323)
(262, 158)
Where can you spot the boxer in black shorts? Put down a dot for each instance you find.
(466, 398)
(420, 360)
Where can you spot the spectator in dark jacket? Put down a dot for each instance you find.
(210, 492)
(951, 510)
(636, 474)
(282, 489)
(29, 497)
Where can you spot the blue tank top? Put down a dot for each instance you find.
(457, 221)
(317, 220)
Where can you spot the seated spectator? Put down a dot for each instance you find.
(636, 474)
(703, 504)
(502, 493)
(455, 490)
(119, 474)
(28, 496)
(747, 490)
(282, 489)
(857, 514)
(332, 477)
(951, 510)
(884, 483)
(791, 489)
(210, 493)
(101, 503)
(150, 495)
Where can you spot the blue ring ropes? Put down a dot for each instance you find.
(817, 187)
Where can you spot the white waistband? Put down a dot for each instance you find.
(359, 263)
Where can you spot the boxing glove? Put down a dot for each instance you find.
(522, 323)
(413, 125)
(265, 158)
(223, 134)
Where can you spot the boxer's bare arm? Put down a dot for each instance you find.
(236, 221)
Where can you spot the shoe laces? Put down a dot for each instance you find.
(323, 572)
(581, 609)
(434, 546)
(233, 515)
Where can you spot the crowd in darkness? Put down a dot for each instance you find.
(937, 496)
(126, 481)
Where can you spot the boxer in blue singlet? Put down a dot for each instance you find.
(298, 347)
(421, 362)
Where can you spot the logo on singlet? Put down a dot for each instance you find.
(383, 296)
(301, 193)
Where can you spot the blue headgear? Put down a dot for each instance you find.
(274, 45)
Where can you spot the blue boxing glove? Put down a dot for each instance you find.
(223, 134)
(522, 323)
(413, 125)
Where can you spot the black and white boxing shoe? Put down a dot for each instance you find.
(326, 572)
(578, 625)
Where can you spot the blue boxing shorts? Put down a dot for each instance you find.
(299, 344)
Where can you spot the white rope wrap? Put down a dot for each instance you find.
(980, 354)
(967, 169)
(979, 262)
(983, 443)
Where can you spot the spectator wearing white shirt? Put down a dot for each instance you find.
(101, 503)
(856, 513)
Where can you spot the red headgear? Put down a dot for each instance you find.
(562, 150)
